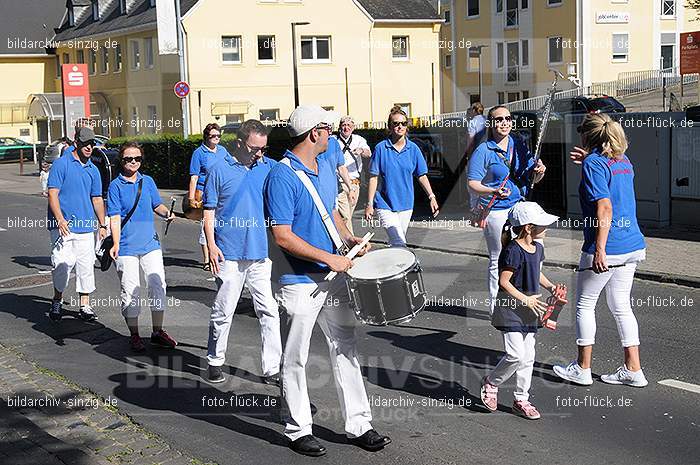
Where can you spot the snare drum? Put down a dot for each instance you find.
(386, 287)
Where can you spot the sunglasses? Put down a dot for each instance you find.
(257, 149)
(90, 143)
(215, 136)
(501, 119)
(399, 123)
(132, 159)
(325, 126)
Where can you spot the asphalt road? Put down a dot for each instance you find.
(423, 378)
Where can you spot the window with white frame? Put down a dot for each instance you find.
(472, 8)
(511, 16)
(105, 60)
(234, 118)
(92, 61)
(448, 61)
(152, 117)
(118, 58)
(513, 57)
(499, 6)
(555, 51)
(272, 114)
(499, 55)
(525, 52)
(230, 49)
(266, 49)
(513, 96)
(399, 48)
(668, 7)
(316, 49)
(524, 4)
(135, 55)
(620, 47)
(149, 56)
(554, 2)
(406, 107)
(501, 98)
(473, 59)
(668, 50)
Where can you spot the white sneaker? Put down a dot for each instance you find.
(574, 373)
(627, 377)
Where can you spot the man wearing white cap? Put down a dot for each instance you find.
(299, 192)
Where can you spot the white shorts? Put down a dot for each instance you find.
(76, 250)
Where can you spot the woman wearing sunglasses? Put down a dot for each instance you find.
(204, 158)
(136, 245)
(500, 169)
(397, 160)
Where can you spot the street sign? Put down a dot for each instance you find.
(690, 52)
(181, 89)
(76, 94)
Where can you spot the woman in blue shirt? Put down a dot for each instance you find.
(137, 245)
(397, 160)
(500, 169)
(613, 246)
(203, 158)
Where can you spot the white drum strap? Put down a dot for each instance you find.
(325, 217)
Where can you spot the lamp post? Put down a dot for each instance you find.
(294, 60)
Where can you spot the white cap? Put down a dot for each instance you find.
(530, 213)
(306, 117)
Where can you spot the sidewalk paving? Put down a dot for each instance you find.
(45, 419)
(670, 259)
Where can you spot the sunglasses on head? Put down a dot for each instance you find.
(132, 159)
(501, 119)
(400, 123)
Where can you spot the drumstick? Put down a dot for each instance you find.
(591, 268)
(170, 213)
(353, 252)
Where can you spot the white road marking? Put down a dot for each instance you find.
(3, 229)
(681, 385)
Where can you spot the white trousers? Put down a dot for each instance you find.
(519, 360)
(73, 251)
(396, 225)
(231, 278)
(617, 283)
(128, 269)
(492, 234)
(331, 309)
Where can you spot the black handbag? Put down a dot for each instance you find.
(103, 254)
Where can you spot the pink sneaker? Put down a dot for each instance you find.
(526, 410)
(489, 395)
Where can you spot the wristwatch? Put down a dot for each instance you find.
(103, 226)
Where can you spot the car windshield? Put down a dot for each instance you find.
(600, 103)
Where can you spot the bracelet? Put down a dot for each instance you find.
(103, 226)
(431, 197)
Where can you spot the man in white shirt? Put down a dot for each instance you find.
(354, 149)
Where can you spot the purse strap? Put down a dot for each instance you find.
(136, 203)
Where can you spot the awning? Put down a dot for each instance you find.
(229, 108)
(50, 106)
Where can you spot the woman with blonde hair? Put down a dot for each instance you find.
(397, 160)
(613, 246)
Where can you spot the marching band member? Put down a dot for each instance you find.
(397, 160)
(501, 166)
(202, 159)
(354, 149)
(309, 245)
(136, 245)
(75, 198)
(613, 246)
(235, 228)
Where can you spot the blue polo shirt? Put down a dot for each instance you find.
(609, 178)
(333, 152)
(68, 149)
(139, 236)
(77, 183)
(288, 202)
(397, 170)
(202, 160)
(488, 165)
(235, 192)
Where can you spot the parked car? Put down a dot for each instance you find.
(582, 105)
(11, 147)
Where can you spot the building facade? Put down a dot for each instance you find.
(499, 51)
(359, 57)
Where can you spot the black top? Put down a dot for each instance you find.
(509, 314)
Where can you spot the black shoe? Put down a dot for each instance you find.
(307, 445)
(371, 441)
(87, 313)
(272, 379)
(56, 312)
(215, 375)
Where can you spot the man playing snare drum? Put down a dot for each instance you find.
(309, 254)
